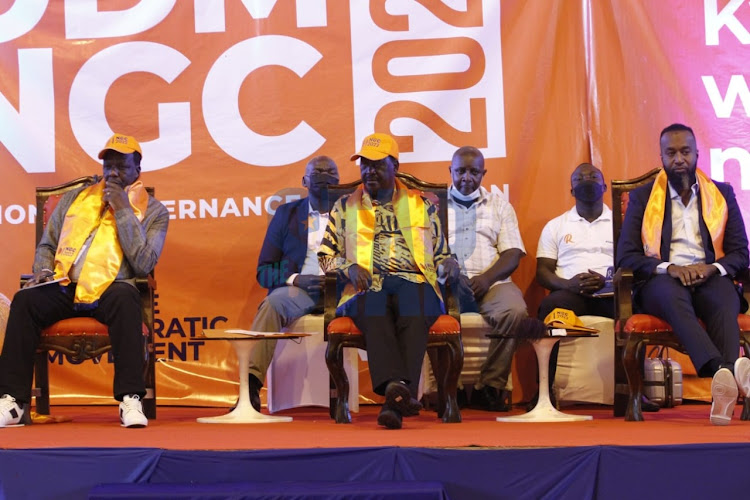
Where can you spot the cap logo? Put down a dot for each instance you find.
(120, 139)
(373, 142)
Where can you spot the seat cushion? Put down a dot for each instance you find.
(744, 322)
(645, 324)
(444, 325)
(72, 327)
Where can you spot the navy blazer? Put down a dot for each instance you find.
(285, 245)
(630, 246)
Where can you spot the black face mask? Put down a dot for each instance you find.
(588, 191)
(316, 179)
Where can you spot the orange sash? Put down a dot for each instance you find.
(713, 208)
(104, 258)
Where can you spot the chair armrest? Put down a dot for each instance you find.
(146, 284)
(623, 284)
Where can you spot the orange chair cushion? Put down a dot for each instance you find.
(444, 325)
(645, 324)
(73, 327)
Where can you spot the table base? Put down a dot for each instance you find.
(244, 413)
(544, 411)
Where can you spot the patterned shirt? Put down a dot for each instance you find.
(391, 255)
(481, 232)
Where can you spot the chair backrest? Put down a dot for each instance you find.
(435, 192)
(47, 199)
(620, 195)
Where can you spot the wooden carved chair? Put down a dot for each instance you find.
(444, 341)
(634, 332)
(83, 338)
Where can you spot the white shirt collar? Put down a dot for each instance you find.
(673, 194)
(606, 214)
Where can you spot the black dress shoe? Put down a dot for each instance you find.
(649, 406)
(489, 399)
(389, 418)
(414, 408)
(254, 388)
(398, 397)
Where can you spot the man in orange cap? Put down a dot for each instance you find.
(97, 241)
(387, 243)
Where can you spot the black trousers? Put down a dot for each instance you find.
(34, 309)
(716, 302)
(581, 305)
(395, 322)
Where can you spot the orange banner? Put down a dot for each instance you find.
(231, 98)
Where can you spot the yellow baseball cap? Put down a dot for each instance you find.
(376, 147)
(562, 318)
(124, 144)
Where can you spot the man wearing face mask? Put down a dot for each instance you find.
(97, 241)
(288, 265)
(684, 238)
(574, 253)
(485, 238)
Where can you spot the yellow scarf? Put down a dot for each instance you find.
(104, 258)
(413, 221)
(713, 208)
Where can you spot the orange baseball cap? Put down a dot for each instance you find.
(124, 144)
(376, 147)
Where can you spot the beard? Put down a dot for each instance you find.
(681, 181)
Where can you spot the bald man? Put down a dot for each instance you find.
(288, 265)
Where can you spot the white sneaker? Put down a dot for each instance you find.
(11, 412)
(724, 393)
(131, 412)
(742, 375)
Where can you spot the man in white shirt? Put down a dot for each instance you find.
(574, 254)
(288, 265)
(484, 236)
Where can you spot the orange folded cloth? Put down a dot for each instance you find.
(48, 419)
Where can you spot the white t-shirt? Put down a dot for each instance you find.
(577, 244)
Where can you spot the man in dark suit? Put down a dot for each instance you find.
(288, 265)
(684, 238)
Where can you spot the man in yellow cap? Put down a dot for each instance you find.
(386, 242)
(98, 240)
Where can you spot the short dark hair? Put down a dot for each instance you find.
(676, 127)
(137, 158)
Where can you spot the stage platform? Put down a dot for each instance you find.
(676, 451)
